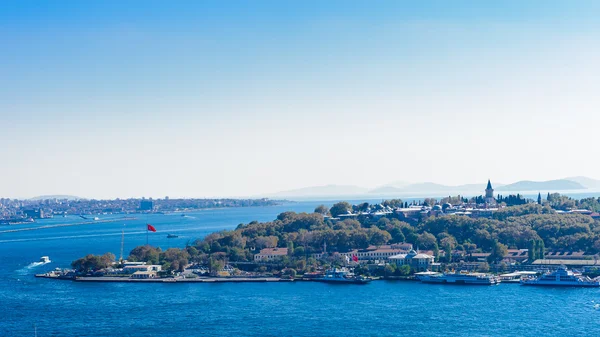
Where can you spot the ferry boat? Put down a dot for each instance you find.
(515, 277)
(342, 275)
(461, 278)
(562, 277)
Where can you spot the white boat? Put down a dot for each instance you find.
(562, 277)
(45, 259)
(515, 277)
(461, 278)
(342, 275)
(428, 273)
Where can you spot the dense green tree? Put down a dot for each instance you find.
(378, 237)
(342, 207)
(146, 253)
(426, 241)
(499, 251)
(322, 209)
(92, 263)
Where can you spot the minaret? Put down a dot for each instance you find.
(489, 193)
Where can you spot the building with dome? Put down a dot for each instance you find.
(417, 261)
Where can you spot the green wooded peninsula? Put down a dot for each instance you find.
(313, 241)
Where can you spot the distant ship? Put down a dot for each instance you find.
(172, 236)
(342, 275)
(562, 277)
(461, 278)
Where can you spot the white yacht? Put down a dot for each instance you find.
(515, 277)
(461, 278)
(342, 275)
(562, 277)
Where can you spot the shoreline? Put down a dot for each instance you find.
(112, 279)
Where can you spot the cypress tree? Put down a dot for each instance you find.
(531, 251)
(539, 198)
(541, 249)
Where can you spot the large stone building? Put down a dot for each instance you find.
(270, 254)
(417, 261)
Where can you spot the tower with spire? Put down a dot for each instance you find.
(489, 193)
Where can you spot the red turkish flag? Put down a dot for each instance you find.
(354, 258)
(151, 228)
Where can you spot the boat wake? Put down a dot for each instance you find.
(30, 266)
(36, 264)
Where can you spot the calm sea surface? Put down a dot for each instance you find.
(64, 308)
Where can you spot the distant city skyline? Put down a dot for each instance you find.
(216, 99)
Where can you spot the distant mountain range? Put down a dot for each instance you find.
(557, 185)
(59, 197)
(321, 191)
(400, 188)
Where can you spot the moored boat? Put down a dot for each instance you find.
(515, 277)
(461, 278)
(342, 275)
(562, 277)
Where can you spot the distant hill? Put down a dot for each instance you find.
(431, 188)
(321, 191)
(401, 188)
(586, 182)
(550, 185)
(60, 197)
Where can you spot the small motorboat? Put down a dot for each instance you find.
(172, 236)
(45, 259)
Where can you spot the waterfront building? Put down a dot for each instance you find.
(143, 275)
(516, 256)
(270, 254)
(144, 268)
(373, 253)
(417, 261)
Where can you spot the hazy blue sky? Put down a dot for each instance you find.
(201, 99)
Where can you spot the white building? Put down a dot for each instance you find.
(144, 275)
(417, 261)
(373, 253)
(270, 254)
(142, 268)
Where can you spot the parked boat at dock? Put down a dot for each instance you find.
(515, 277)
(342, 275)
(562, 277)
(461, 278)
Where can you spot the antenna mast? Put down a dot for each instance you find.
(122, 243)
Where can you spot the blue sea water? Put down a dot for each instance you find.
(382, 308)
